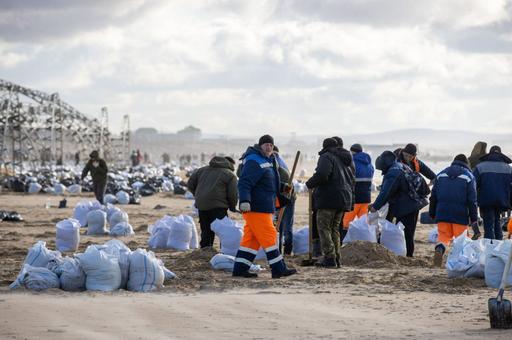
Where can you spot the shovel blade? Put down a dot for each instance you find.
(500, 313)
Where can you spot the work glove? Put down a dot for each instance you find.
(245, 207)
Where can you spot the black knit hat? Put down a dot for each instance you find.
(266, 139)
(329, 143)
(338, 140)
(410, 149)
(230, 160)
(461, 158)
(495, 148)
(356, 148)
(94, 154)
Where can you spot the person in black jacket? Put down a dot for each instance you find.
(408, 156)
(333, 182)
(99, 170)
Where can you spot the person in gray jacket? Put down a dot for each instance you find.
(215, 191)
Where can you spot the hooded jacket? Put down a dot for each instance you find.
(214, 185)
(394, 189)
(333, 180)
(99, 173)
(453, 198)
(479, 150)
(259, 181)
(364, 177)
(493, 181)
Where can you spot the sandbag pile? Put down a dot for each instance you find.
(177, 233)
(105, 267)
(482, 258)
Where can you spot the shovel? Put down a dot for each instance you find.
(310, 261)
(500, 310)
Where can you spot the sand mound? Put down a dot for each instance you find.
(197, 260)
(367, 254)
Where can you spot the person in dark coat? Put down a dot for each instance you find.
(408, 156)
(453, 204)
(479, 150)
(98, 169)
(215, 191)
(333, 184)
(493, 183)
(396, 191)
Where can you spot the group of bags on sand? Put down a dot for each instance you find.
(171, 232)
(105, 267)
(95, 216)
(482, 258)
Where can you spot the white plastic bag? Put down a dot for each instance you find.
(96, 223)
(146, 273)
(101, 269)
(118, 249)
(433, 235)
(36, 278)
(360, 230)
(70, 273)
(123, 197)
(477, 270)
(122, 229)
(34, 188)
(118, 217)
(180, 235)
(495, 264)
(109, 199)
(160, 233)
(462, 256)
(75, 189)
(67, 235)
(227, 262)
(39, 255)
(392, 237)
(80, 212)
(301, 241)
(59, 189)
(229, 233)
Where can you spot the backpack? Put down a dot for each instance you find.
(418, 187)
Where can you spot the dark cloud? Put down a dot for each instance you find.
(40, 21)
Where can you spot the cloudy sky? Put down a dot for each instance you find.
(248, 67)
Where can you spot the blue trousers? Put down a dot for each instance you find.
(286, 228)
(492, 228)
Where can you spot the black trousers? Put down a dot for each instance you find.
(99, 190)
(409, 221)
(206, 217)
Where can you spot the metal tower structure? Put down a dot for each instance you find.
(37, 128)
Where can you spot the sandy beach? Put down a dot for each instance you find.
(377, 299)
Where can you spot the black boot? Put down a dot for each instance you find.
(328, 262)
(288, 249)
(248, 275)
(286, 272)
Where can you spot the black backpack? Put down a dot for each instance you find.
(418, 187)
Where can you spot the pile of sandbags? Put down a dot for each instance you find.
(105, 267)
(179, 233)
(360, 230)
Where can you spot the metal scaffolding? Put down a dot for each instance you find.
(40, 129)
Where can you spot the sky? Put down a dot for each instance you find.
(241, 68)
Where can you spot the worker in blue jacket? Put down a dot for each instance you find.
(493, 183)
(453, 204)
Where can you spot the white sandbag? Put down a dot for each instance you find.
(433, 235)
(227, 263)
(495, 264)
(167, 186)
(146, 273)
(67, 235)
(462, 256)
(36, 278)
(182, 230)
(39, 255)
(75, 189)
(160, 233)
(168, 275)
(109, 199)
(34, 188)
(189, 195)
(80, 212)
(477, 270)
(123, 197)
(118, 249)
(118, 217)
(70, 273)
(392, 237)
(301, 241)
(122, 229)
(59, 189)
(360, 230)
(137, 185)
(373, 218)
(229, 233)
(110, 210)
(101, 269)
(96, 222)
(194, 240)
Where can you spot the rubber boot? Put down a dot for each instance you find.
(438, 255)
(328, 262)
(243, 262)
